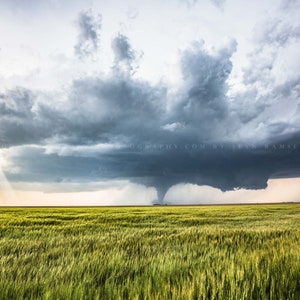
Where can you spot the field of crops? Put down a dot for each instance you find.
(196, 252)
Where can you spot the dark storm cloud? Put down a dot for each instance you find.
(225, 167)
(88, 39)
(202, 106)
(112, 109)
(20, 123)
(157, 137)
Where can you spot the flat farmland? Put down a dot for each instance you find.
(160, 252)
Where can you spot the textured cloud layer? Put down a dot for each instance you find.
(203, 131)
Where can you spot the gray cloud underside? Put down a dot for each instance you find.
(156, 128)
(222, 168)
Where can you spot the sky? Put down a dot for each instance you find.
(141, 102)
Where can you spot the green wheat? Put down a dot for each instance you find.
(217, 252)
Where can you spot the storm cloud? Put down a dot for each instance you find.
(20, 123)
(118, 126)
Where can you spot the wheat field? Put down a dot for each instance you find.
(163, 252)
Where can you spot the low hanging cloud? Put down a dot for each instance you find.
(115, 126)
(193, 194)
(88, 39)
